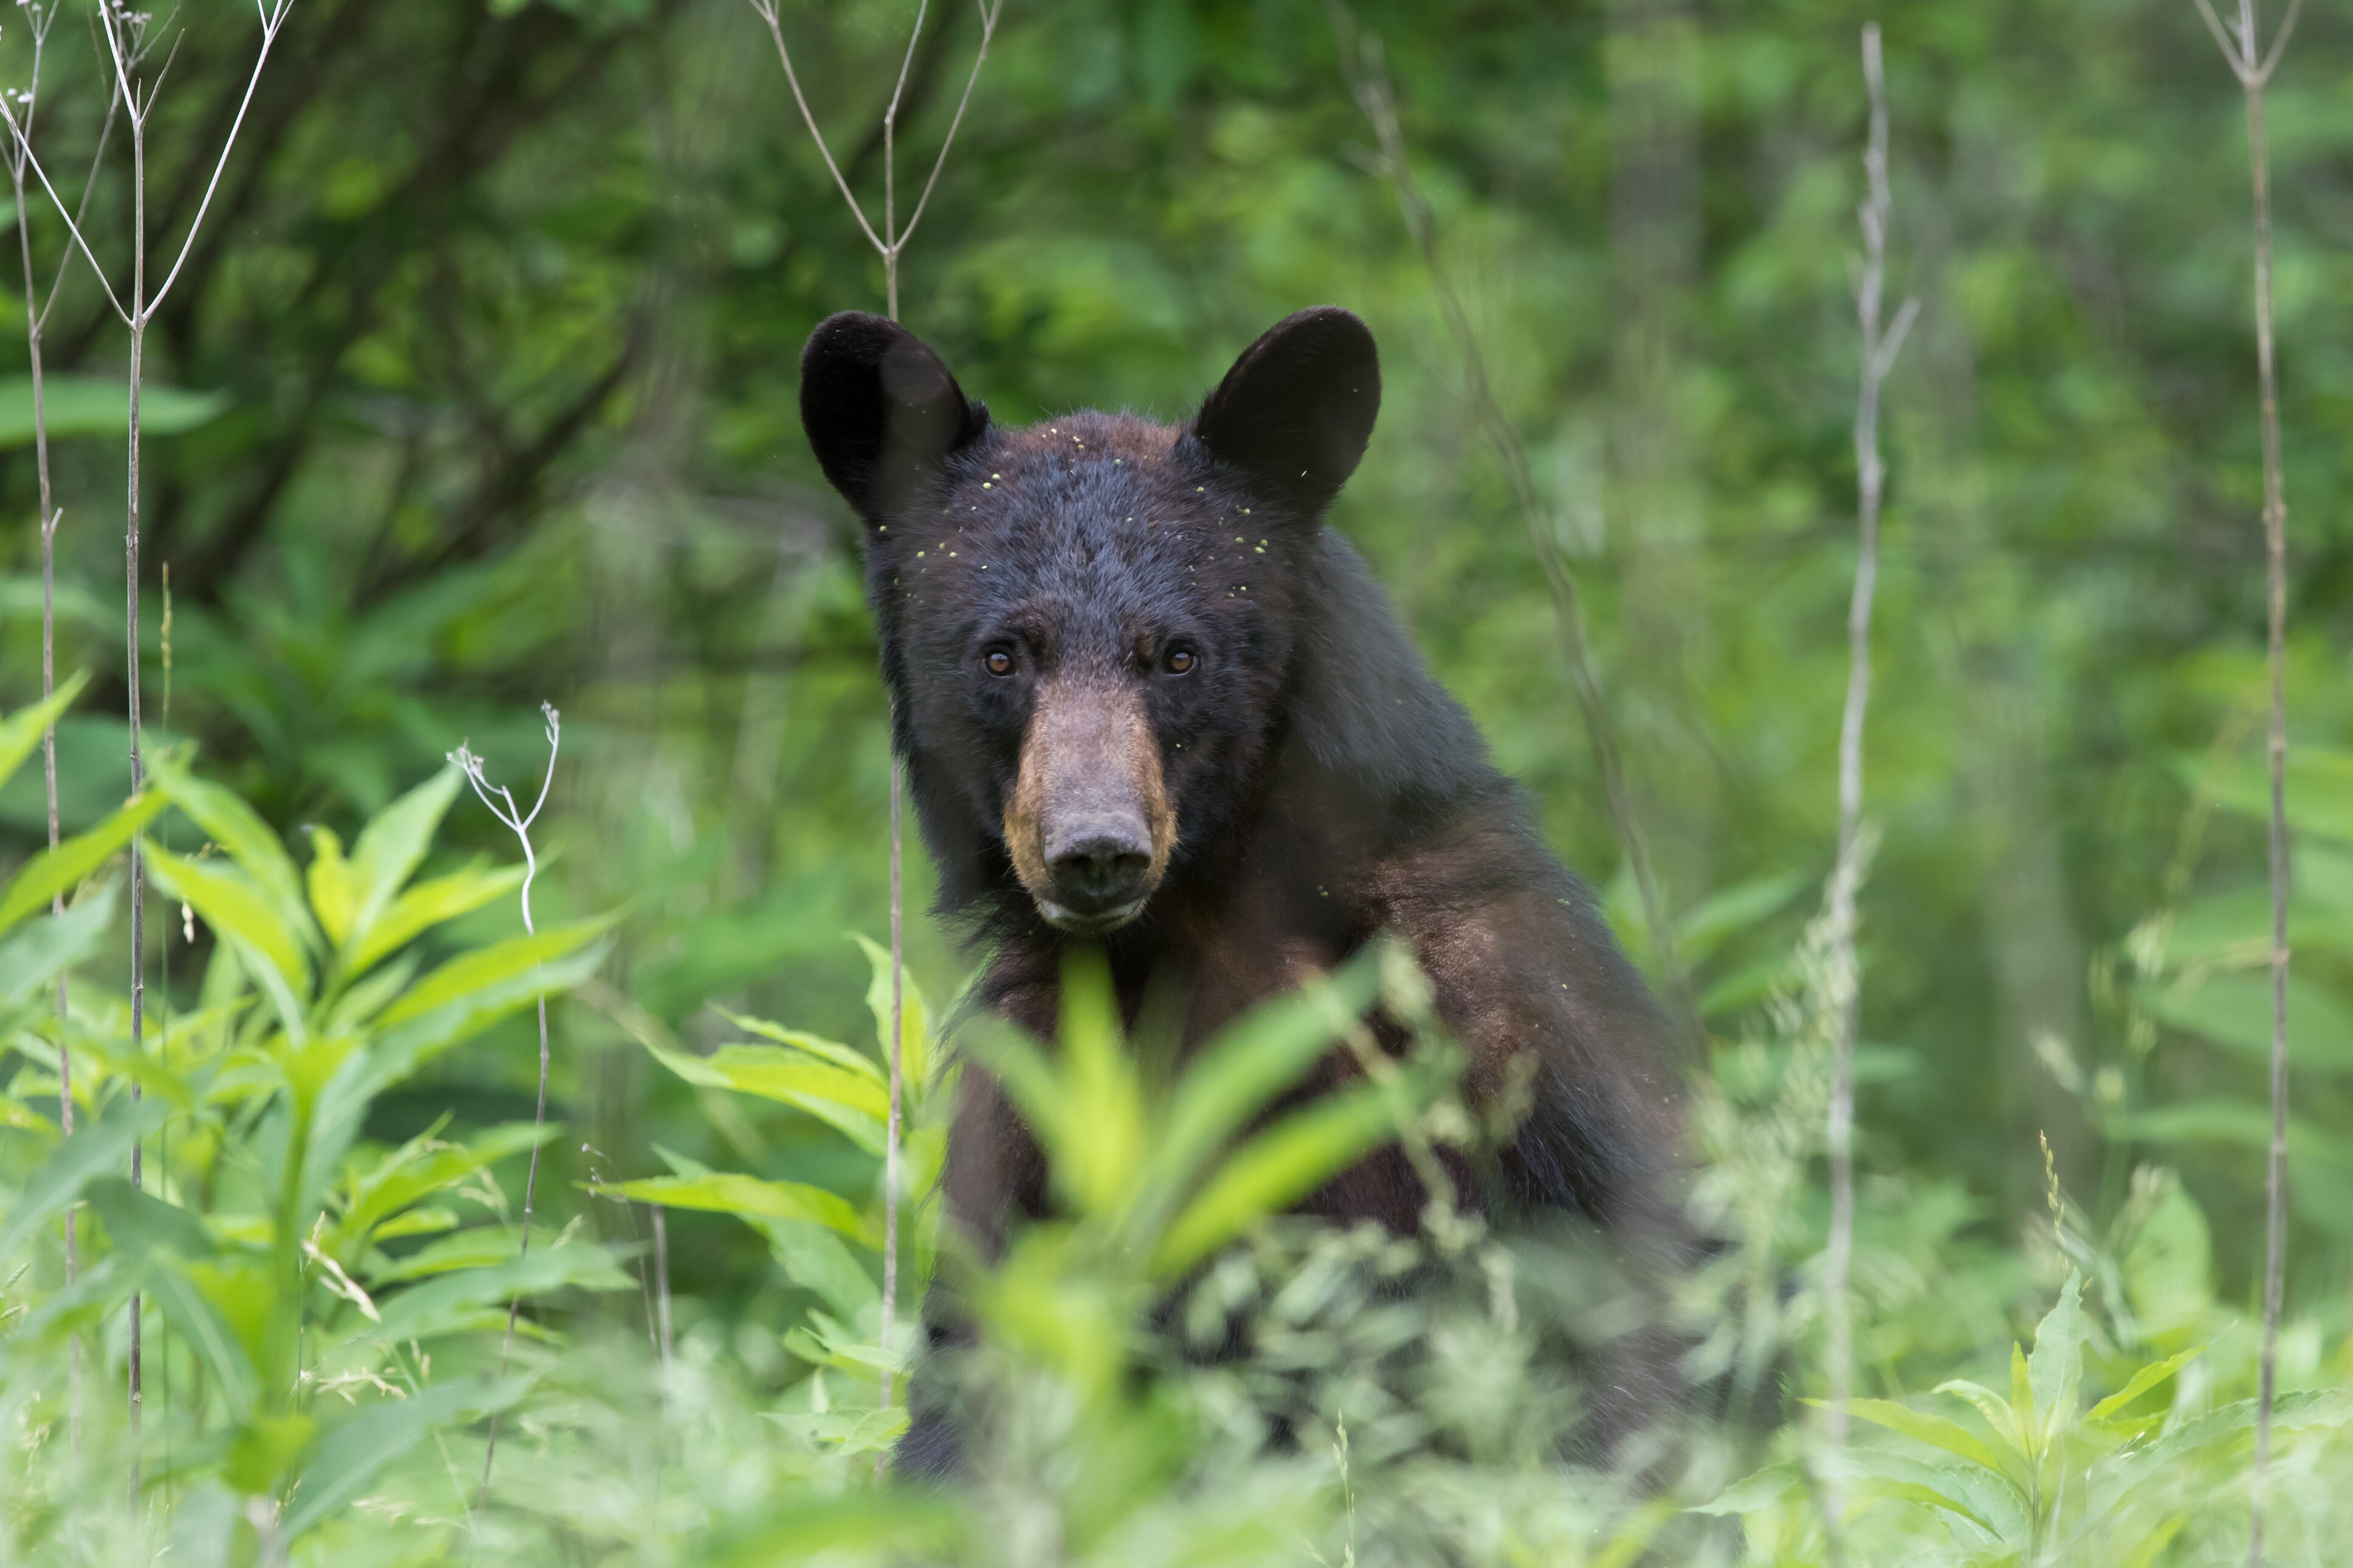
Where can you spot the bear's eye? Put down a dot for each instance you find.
(998, 660)
(1180, 660)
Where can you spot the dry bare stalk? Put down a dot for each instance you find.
(1880, 347)
(40, 17)
(2253, 66)
(1368, 79)
(125, 33)
(889, 245)
(518, 822)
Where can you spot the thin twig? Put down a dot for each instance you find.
(1368, 79)
(1880, 347)
(889, 245)
(518, 822)
(41, 17)
(2253, 66)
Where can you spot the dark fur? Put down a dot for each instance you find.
(1325, 787)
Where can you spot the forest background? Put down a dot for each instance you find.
(490, 344)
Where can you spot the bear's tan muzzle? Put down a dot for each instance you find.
(1090, 827)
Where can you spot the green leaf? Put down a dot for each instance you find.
(1236, 1075)
(729, 1192)
(915, 1019)
(58, 870)
(1763, 1489)
(2141, 1382)
(840, 1055)
(36, 955)
(852, 1103)
(1725, 914)
(488, 969)
(2319, 788)
(22, 731)
(244, 915)
(228, 822)
(197, 1318)
(1997, 1413)
(95, 1150)
(427, 905)
(332, 899)
(1276, 1169)
(811, 1256)
(1922, 1426)
(2058, 1359)
(426, 1166)
(2234, 1010)
(393, 841)
(144, 1225)
(348, 1459)
(452, 1303)
(101, 405)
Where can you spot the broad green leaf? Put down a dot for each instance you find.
(22, 731)
(264, 1448)
(393, 842)
(454, 1302)
(1925, 1427)
(811, 1256)
(479, 1248)
(2023, 1408)
(96, 1149)
(914, 1018)
(867, 1524)
(427, 905)
(2141, 1382)
(2058, 1359)
(1725, 914)
(841, 1056)
(101, 405)
(2234, 1010)
(1277, 1168)
(228, 822)
(1097, 1150)
(348, 1459)
(852, 1103)
(1931, 1497)
(1763, 1489)
(425, 1166)
(36, 955)
(1235, 1076)
(2319, 788)
(722, 1191)
(332, 898)
(485, 987)
(358, 1007)
(142, 1225)
(58, 870)
(197, 1319)
(486, 969)
(845, 1431)
(243, 914)
(1997, 1413)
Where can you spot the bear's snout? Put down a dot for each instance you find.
(1090, 828)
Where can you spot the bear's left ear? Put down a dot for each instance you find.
(880, 409)
(1295, 411)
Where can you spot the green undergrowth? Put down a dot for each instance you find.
(1165, 1371)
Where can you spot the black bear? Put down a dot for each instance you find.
(1147, 699)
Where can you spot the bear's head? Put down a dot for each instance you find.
(1088, 626)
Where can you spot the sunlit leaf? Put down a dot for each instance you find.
(393, 842)
(2058, 1359)
(2141, 1382)
(22, 731)
(730, 1192)
(233, 826)
(1922, 1426)
(914, 1016)
(55, 871)
(1276, 1169)
(332, 899)
(242, 913)
(427, 905)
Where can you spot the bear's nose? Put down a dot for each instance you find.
(1100, 868)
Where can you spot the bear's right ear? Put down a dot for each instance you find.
(881, 410)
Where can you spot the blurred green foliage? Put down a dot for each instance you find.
(489, 354)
